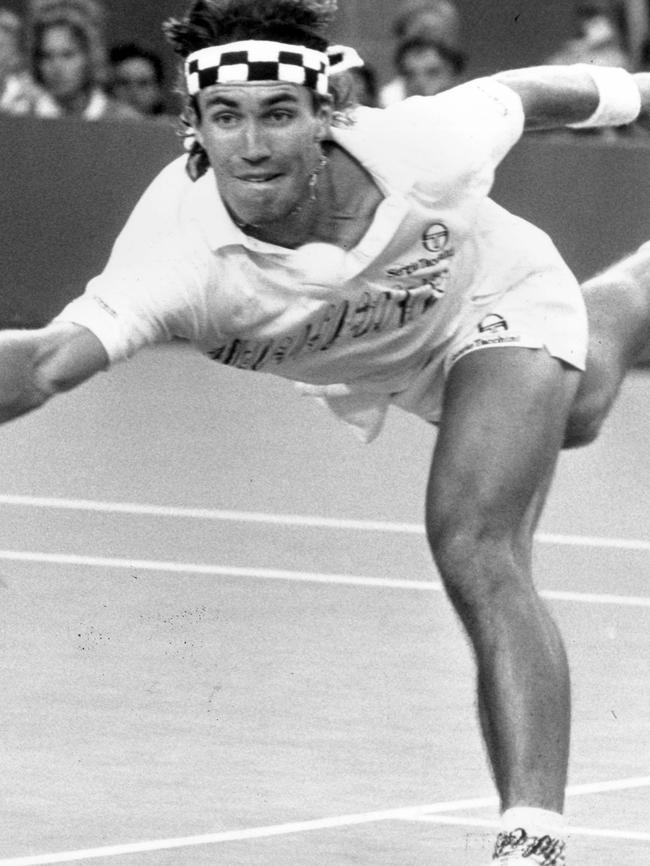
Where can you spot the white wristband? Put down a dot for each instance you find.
(619, 100)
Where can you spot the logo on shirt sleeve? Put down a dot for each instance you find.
(431, 269)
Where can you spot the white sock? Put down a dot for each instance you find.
(536, 822)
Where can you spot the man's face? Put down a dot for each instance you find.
(135, 83)
(262, 142)
(63, 63)
(426, 72)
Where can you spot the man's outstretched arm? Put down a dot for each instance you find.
(556, 96)
(35, 365)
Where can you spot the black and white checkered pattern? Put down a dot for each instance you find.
(256, 60)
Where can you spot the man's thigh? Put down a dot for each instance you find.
(502, 427)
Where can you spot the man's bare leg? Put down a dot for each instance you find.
(503, 424)
(618, 307)
(502, 427)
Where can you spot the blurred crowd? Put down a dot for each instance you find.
(56, 61)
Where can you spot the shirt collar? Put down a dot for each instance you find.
(219, 230)
(216, 223)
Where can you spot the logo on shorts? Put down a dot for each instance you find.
(492, 324)
(435, 238)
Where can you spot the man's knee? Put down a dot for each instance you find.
(478, 566)
(597, 392)
(584, 424)
(618, 308)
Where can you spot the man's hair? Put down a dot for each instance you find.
(295, 22)
(455, 59)
(217, 22)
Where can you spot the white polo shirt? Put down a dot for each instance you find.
(359, 322)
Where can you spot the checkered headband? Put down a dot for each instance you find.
(259, 60)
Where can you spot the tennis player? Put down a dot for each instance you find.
(356, 251)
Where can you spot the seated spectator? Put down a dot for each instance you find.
(427, 66)
(138, 79)
(437, 17)
(18, 92)
(69, 60)
(600, 36)
(637, 14)
(435, 20)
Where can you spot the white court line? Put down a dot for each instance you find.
(404, 813)
(608, 787)
(290, 520)
(251, 833)
(572, 791)
(296, 576)
(215, 570)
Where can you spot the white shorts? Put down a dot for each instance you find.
(544, 311)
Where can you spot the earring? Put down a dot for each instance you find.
(313, 177)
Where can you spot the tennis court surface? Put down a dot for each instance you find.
(223, 641)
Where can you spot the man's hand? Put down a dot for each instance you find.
(34, 365)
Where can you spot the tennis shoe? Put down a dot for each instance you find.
(517, 848)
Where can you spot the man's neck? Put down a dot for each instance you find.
(340, 212)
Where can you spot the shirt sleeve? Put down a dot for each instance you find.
(154, 299)
(475, 124)
(156, 215)
(152, 287)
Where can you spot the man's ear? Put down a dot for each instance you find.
(195, 122)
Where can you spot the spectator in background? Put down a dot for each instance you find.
(138, 79)
(600, 36)
(440, 17)
(437, 21)
(18, 92)
(637, 14)
(69, 60)
(428, 66)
